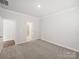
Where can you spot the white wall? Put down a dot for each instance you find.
(21, 21)
(62, 28)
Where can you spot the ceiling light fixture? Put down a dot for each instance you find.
(38, 6)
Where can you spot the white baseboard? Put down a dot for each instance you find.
(25, 41)
(75, 50)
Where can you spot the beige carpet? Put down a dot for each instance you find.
(37, 49)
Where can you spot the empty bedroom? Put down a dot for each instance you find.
(39, 29)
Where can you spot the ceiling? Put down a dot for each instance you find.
(41, 7)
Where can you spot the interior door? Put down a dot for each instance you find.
(29, 31)
(1, 33)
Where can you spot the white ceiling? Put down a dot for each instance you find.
(41, 7)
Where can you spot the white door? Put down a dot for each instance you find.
(8, 29)
(29, 31)
(1, 33)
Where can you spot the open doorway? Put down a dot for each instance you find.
(9, 32)
(29, 31)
